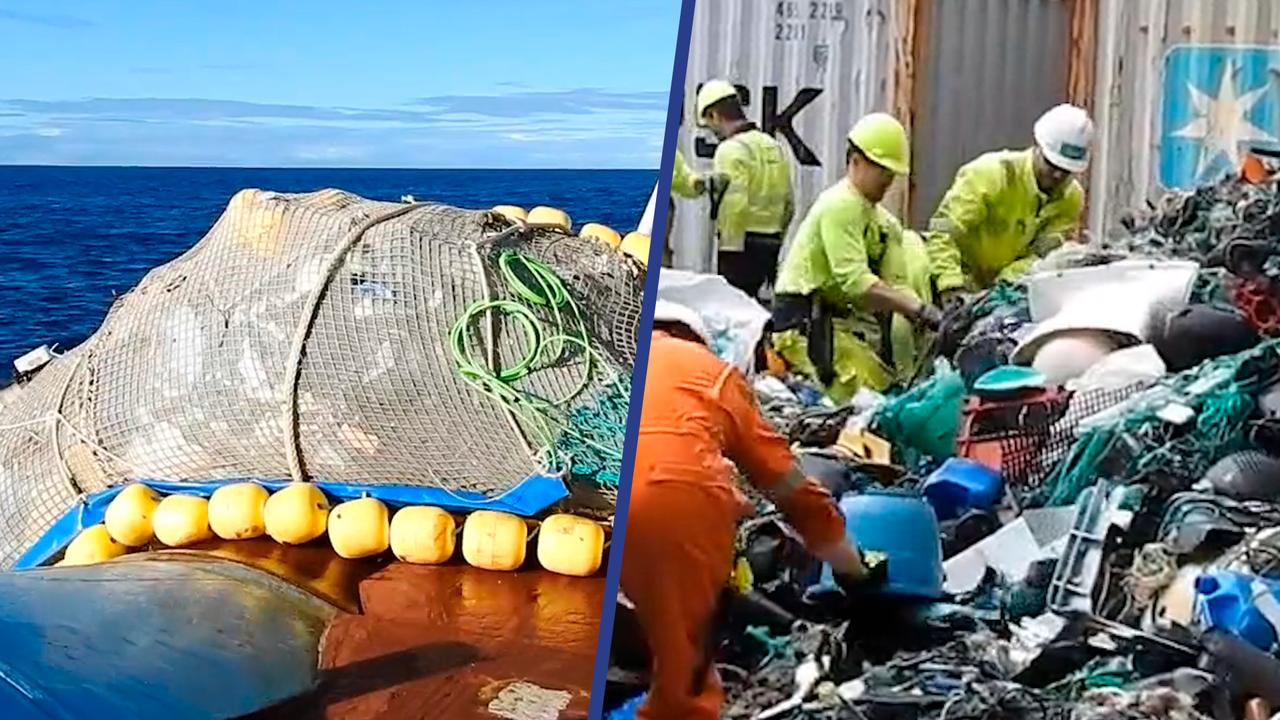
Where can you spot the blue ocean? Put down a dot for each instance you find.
(72, 238)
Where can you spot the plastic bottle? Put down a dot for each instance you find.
(1240, 604)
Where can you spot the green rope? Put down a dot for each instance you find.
(590, 444)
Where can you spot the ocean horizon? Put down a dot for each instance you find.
(76, 236)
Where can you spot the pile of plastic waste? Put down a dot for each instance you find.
(1079, 498)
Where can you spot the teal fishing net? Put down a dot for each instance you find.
(1174, 430)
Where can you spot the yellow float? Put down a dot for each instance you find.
(128, 517)
(182, 520)
(570, 545)
(494, 540)
(93, 545)
(359, 528)
(236, 511)
(423, 535)
(297, 514)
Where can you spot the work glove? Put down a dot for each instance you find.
(952, 301)
(928, 317)
(877, 565)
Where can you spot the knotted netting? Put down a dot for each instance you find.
(323, 336)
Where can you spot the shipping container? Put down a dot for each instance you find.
(1178, 89)
(1183, 87)
(806, 71)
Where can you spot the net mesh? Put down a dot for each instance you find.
(311, 336)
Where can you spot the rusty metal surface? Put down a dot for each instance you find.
(151, 636)
(987, 70)
(446, 641)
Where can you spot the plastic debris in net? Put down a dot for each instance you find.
(1176, 429)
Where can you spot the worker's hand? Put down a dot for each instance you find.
(717, 183)
(952, 301)
(875, 572)
(927, 317)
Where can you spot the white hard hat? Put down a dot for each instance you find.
(672, 312)
(1064, 135)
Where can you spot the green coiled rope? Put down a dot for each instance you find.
(588, 438)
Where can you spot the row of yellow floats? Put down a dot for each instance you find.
(300, 513)
(635, 244)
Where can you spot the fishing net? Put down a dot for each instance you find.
(1170, 433)
(325, 336)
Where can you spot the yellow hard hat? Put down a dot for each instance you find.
(128, 517)
(296, 514)
(712, 92)
(359, 528)
(512, 212)
(884, 141)
(236, 511)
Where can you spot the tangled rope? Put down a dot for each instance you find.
(585, 441)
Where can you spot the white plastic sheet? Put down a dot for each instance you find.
(734, 321)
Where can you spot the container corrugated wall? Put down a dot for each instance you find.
(1150, 52)
(987, 70)
(779, 51)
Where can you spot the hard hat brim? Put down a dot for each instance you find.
(1062, 162)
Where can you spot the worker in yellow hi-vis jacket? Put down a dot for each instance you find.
(853, 294)
(756, 207)
(1007, 209)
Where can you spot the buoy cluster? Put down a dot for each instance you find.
(634, 244)
(301, 513)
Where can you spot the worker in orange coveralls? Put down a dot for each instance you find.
(699, 414)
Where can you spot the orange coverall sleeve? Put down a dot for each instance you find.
(756, 448)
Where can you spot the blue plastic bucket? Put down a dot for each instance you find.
(903, 527)
(960, 485)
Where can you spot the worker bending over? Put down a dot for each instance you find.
(1008, 208)
(853, 281)
(756, 206)
(699, 416)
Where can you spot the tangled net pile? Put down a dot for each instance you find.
(325, 336)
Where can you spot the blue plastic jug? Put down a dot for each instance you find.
(960, 485)
(903, 527)
(628, 709)
(1240, 604)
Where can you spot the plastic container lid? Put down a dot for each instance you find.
(1009, 379)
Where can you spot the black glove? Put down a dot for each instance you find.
(877, 565)
(928, 317)
(952, 301)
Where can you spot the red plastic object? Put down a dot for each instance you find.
(987, 424)
(1259, 305)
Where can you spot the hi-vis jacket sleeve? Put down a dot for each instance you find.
(1062, 222)
(962, 209)
(733, 160)
(753, 445)
(843, 232)
(684, 179)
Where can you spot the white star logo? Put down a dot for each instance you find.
(1222, 123)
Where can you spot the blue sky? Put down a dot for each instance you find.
(431, 83)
